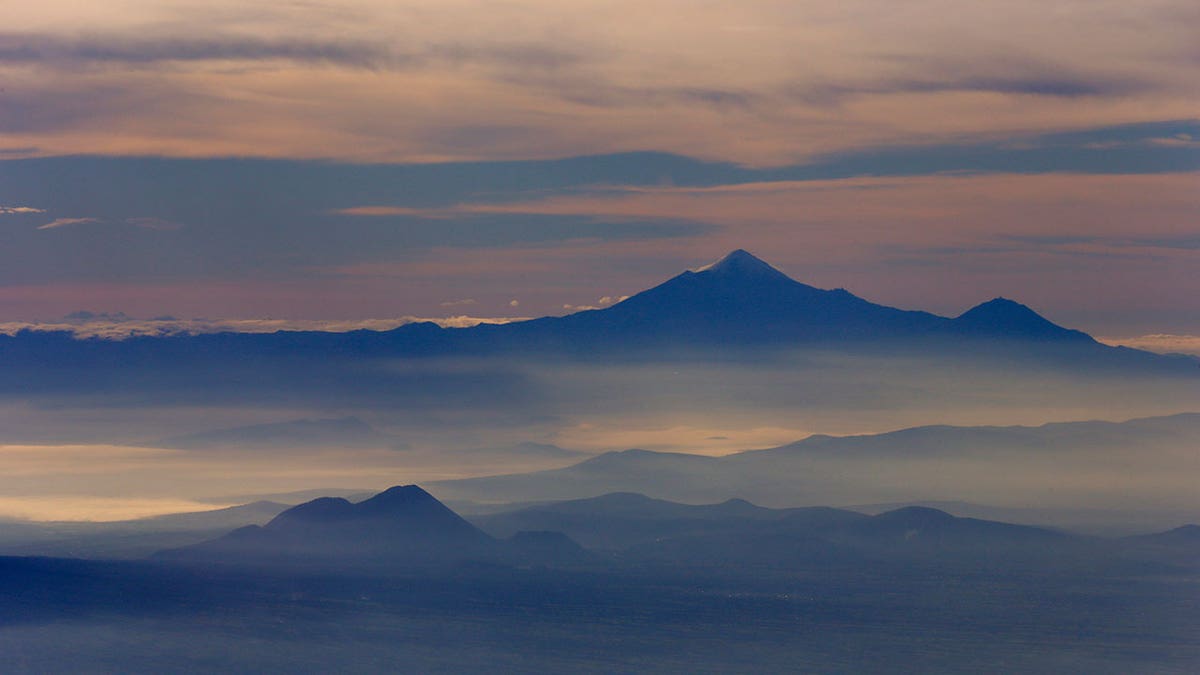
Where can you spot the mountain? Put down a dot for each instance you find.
(959, 441)
(1180, 546)
(737, 302)
(1004, 464)
(739, 310)
(736, 533)
(624, 519)
(671, 475)
(402, 526)
(740, 303)
(841, 539)
(1001, 317)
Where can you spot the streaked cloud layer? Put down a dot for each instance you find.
(759, 82)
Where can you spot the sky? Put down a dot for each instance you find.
(365, 161)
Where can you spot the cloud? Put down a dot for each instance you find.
(60, 222)
(312, 82)
(129, 49)
(145, 223)
(11, 210)
(60, 507)
(118, 326)
(458, 303)
(603, 302)
(1160, 343)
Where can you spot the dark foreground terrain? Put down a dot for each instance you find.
(398, 582)
(79, 616)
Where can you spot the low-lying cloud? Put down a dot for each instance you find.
(119, 327)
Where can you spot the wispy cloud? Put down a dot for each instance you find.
(10, 210)
(606, 301)
(62, 222)
(145, 223)
(131, 49)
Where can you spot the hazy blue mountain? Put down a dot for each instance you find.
(527, 450)
(959, 441)
(737, 531)
(840, 470)
(1180, 546)
(624, 519)
(672, 475)
(401, 525)
(917, 527)
(549, 546)
(839, 538)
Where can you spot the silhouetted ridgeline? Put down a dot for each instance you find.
(737, 303)
(405, 527)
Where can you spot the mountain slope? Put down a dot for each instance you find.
(737, 301)
(402, 525)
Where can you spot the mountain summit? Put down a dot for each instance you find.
(738, 300)
(742, 264)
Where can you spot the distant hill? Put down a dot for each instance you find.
(624, 519)
(637, 528)
(844, 470)
(402, 526)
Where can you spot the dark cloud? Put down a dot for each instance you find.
(1063, 86)
(137, 50)
(126, 49)
(1000, 74)
(285, 218)
(1181, 243)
